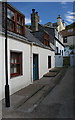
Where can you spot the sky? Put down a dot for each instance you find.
(47, 11)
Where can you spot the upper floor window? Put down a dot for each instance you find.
(19, 20)
(65, 40)
(10, 14)
(15, 20)
(10, 19)
(46, 42)
(19, 23)
(46, 39)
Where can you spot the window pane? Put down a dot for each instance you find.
(17, 18)
(11, 25)
(12, 15)
(19, 29)
(11, 69)
(7, 23)
(8, 13)
(12, 58)
(15, 69)
(21, 20)
(16, 58)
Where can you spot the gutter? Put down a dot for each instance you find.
(26, 41)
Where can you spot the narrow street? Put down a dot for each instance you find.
(57, 104)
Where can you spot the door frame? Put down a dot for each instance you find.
(37, 65)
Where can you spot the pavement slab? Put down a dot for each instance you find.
(50, 74)
(56, 69)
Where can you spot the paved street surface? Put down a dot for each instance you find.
(59, 102)
(56, 103)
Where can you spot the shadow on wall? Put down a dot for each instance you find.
(66, 61)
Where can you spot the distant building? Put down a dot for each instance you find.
(59, 25)
(68, 40)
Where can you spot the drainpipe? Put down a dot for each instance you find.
(31, 62)
(7, 97)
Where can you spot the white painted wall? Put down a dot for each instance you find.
(58, 61)
(60, 47)
(43, 59)
(20, 82)
(70, 40)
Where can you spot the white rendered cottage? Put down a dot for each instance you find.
(25, 53)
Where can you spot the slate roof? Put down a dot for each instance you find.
(29, 37)
(49, 30)
(51, 24)
(33, 39)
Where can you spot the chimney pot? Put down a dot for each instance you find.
(33, 10)
(59, 16)
(63, 21)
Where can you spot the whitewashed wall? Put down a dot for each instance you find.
(58, 61)
(60, 47)
(43, 59)
(19, 82)
(70, 40)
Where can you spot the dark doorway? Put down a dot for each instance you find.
(35, 66)
(49, 61)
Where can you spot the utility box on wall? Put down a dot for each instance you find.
(58, 61)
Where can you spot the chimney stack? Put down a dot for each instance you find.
(63, 24)
(34, 20)
(33, 10)
(59, 20)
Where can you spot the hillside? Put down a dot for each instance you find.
(70, 26)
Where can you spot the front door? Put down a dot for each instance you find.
(35, 66)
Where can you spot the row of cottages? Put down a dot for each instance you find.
(28, 57)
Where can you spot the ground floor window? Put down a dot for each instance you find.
(15, 64)
(49, 61)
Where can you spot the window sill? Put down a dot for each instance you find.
(13, 77)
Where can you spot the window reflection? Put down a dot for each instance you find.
(12, 15)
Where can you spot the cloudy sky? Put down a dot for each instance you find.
(48, 11)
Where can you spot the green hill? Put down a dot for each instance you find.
(70, 26)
